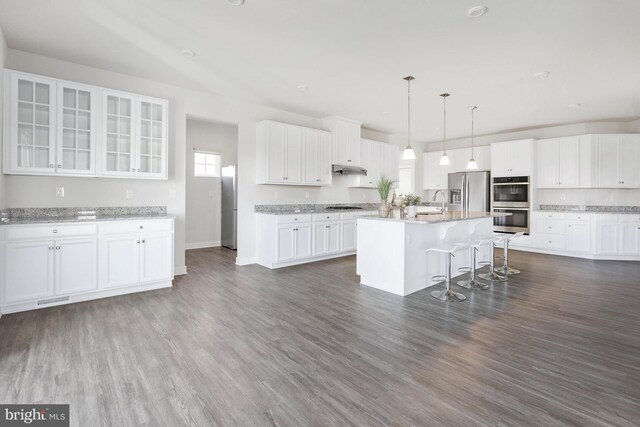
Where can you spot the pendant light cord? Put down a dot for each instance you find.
(409, 113)
(472, 111)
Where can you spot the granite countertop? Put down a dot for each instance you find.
(448, 216)
(87, 219)
(313, 211)
(628, 210)
(310, 208)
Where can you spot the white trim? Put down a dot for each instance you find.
(304, 260)
(202, 245)
(104, 293)
(582, 255)
(245, 261)
(179, 271)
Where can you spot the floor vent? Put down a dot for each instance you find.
(52, 300)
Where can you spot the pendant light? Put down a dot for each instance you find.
(408, 153)
(472, 161)
(444, 159)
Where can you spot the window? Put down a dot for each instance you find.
(206, 164)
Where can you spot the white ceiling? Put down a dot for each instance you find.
(352, 55)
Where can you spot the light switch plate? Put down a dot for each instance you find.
(59, 191)
(129, 194)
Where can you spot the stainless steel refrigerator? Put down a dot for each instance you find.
(229, 199)
(470, 191)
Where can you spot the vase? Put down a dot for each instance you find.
(411, 211)
(383, 210)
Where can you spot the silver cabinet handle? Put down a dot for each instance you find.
(59, 166)
(137, 170)
(141, 227)
(57, 248)
(133, 169)
(55, 231)
(144, 241)
(51, 248)
(51, 165)
(137, 241)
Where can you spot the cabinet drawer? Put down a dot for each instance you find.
(551, 215)
(550, 241)
(16, 232)
(287, 219)
(630, 218)
(579, 217)
(326, 217)
(133, 226)
(551, 226)
(608, 218)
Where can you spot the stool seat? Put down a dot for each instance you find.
(447, 294)
(505, 270)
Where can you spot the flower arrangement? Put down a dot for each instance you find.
(412, 200)
(384, 185)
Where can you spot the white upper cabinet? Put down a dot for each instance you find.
(317, 157)
(434, 176)
(151, 139)
(55, 127)
(118, 128)
(390, 162)
(378, 158)
(346, 140)
(77, 134)
(135, 131)
(292, 155)
(563, 162)
(512, 158)
(618, 157)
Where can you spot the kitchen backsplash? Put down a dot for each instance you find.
(589, 197)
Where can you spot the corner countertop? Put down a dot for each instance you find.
(80, 219)
(448, 216)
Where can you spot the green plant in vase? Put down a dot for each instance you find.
(411, 201)
(384, 185)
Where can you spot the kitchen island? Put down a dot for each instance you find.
(392, 253)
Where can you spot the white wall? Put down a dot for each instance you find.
(203, 194)
(39, 191)
(3, 55)
(607, 197)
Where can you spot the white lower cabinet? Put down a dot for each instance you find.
(52, 264)
(29, 269)
(588, 235)
(76, 265)
(284, 240)
(326, 238)
(348, 230)
(293, 242)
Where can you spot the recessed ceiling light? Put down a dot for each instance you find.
(542, 74)
(477, 11)
(574, 105)
(235, 2)
(188, 53)
(302, 88)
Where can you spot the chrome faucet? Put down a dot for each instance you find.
(444, 197)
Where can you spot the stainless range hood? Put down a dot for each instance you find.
(347, 170)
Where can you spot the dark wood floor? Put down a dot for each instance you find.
(558, 345)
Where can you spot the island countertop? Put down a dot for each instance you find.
(435, 218)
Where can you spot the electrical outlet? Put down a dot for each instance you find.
(306, 195)
(364, 196)
(59, 191)
(129, 194)
(276, 195)
(172, 193)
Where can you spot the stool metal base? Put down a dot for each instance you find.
(472, 284)
(509, 271)
(448, 295)
(492, 276)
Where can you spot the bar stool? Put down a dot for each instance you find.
(472, 283)
(505, 270)
(447, 294)
(491, 275)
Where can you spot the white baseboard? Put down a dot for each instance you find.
(202, 245)
(245, 261)
(179, 271)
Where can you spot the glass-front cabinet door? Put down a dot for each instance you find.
(76, 129)
(32, 129)
(152, 139)
(119, 136)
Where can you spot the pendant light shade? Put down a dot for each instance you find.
(408, 153)
(444, 159)
(472, 161)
